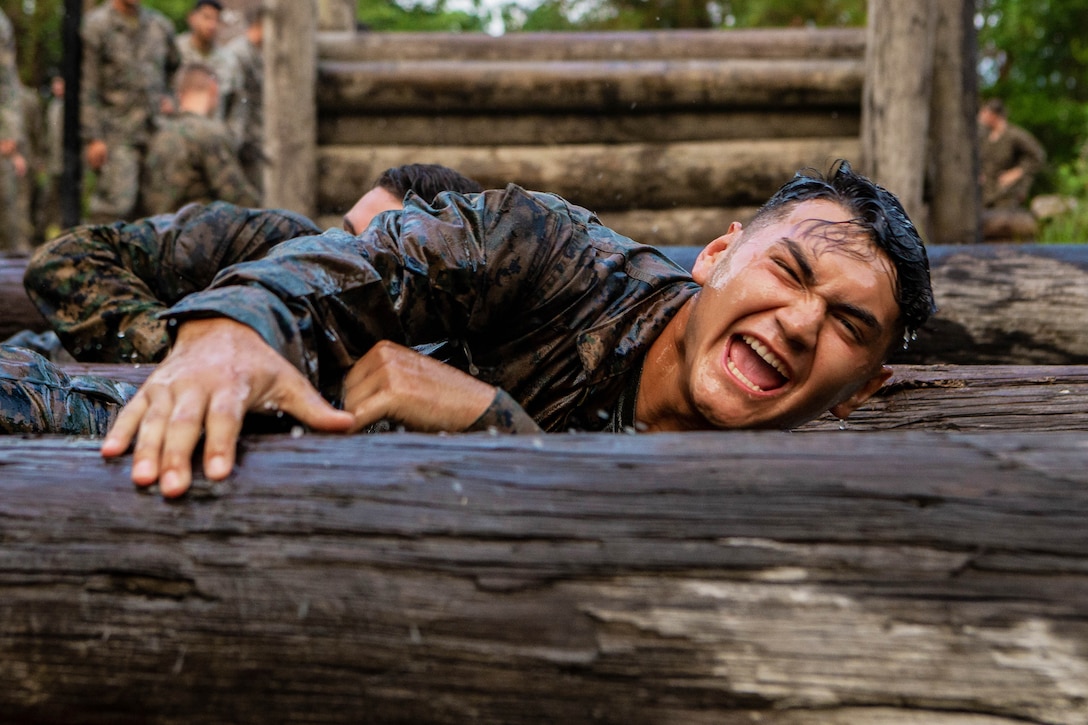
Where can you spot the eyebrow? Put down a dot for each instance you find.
(808, 276)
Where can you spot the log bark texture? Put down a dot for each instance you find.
(612, 46)
(844, 578)
(586, 86)
(289, 106)
(897, 98)
(597, 176)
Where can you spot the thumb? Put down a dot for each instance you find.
(301, 400)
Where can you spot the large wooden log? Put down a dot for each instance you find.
(953, 156)
(289, 106)
(619, 45)
(897, 98)
(598, 176)
(535, 129)
(588, 86)
(889, 578)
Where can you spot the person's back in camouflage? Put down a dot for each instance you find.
(191, 159)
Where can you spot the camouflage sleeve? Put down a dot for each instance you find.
(90, 101)
(10, 103)
(323, 301)
(224, 174)
(102, 287)
(36, 397)
(89, 284)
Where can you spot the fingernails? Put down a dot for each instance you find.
(217, 467)
(170, 484)
(143, 472)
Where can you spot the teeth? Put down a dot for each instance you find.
(740, 376)
(769, 357)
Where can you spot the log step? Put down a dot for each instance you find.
(587, 86)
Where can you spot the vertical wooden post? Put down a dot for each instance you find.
(71, 186)
(896, 98)
(338, 15)
(953, 147)
(290, 110)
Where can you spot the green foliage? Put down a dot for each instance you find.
(664, 14)
(1033, 54)
(417, 15)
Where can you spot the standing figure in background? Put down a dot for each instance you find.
(33, 150)
(244, 116)
(1009, 158)
(129, 59)
(200, 45)
(12, 162)
(190, 157)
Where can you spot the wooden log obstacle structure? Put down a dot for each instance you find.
(669, 136)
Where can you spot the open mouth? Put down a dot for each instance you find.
(755, 365)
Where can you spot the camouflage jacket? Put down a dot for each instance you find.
(535, 295)
(190, 158)
(11, 117)
(127, 67)
(102, 287)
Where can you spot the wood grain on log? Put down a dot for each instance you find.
(820, 578)
(587, 86)
(597, 176)
(534, 129)
(619, 45)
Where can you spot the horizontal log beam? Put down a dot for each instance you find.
(619, 45)
(535, 129)
(598, 176)
(885, 578)
(591, 87)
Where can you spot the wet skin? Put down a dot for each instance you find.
(792, 320)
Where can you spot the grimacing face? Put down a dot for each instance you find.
(794, 318)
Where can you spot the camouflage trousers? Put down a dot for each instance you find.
(37, 396)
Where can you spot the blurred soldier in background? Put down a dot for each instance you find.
(190, 157)
(129, 58)
(200, 45)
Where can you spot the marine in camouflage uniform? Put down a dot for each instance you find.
(102, 287)
(190, 158)
(536, 296)
(11, 135)
(128, 62)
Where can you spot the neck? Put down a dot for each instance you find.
(124, 8)
(200, 104)
(662, 403)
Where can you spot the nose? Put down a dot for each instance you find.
(801, 319)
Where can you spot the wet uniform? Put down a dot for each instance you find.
(533, 294)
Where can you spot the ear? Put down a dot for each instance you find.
(866, 391)
(708, 256)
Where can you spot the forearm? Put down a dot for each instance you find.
(101, 309)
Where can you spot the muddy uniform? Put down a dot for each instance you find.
(127, 67)
(191, 159)
(533, 294)
(101, 287)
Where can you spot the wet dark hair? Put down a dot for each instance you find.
(427, 180)
(878, 214)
